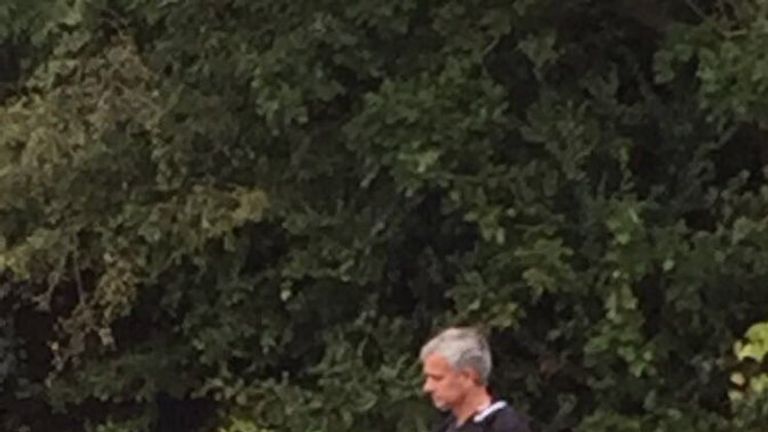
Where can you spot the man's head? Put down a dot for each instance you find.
(455, 363)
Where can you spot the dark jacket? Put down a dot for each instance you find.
(498, 417)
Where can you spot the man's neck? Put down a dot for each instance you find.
(474, 402)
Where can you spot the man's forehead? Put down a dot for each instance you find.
(436, 363)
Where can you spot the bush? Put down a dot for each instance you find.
(248, 215)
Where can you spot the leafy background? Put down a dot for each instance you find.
(246, 216)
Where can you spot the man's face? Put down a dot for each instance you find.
(446, 385)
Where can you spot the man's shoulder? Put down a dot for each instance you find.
(501, 417)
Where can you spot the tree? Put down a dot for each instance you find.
(257, 211)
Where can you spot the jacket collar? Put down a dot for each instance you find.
(492, 408)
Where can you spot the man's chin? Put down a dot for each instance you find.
(440, 405)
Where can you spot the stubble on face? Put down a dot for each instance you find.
(438, 375)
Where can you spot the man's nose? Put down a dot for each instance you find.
(427, 387)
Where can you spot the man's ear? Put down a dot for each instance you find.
(471, 375)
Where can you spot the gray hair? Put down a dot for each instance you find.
(464, 348)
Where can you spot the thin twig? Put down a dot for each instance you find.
(697, 10)
(78, 277)
(704, 17)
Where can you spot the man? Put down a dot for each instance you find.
(456, 365)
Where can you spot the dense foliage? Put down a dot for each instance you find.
(247, 215)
